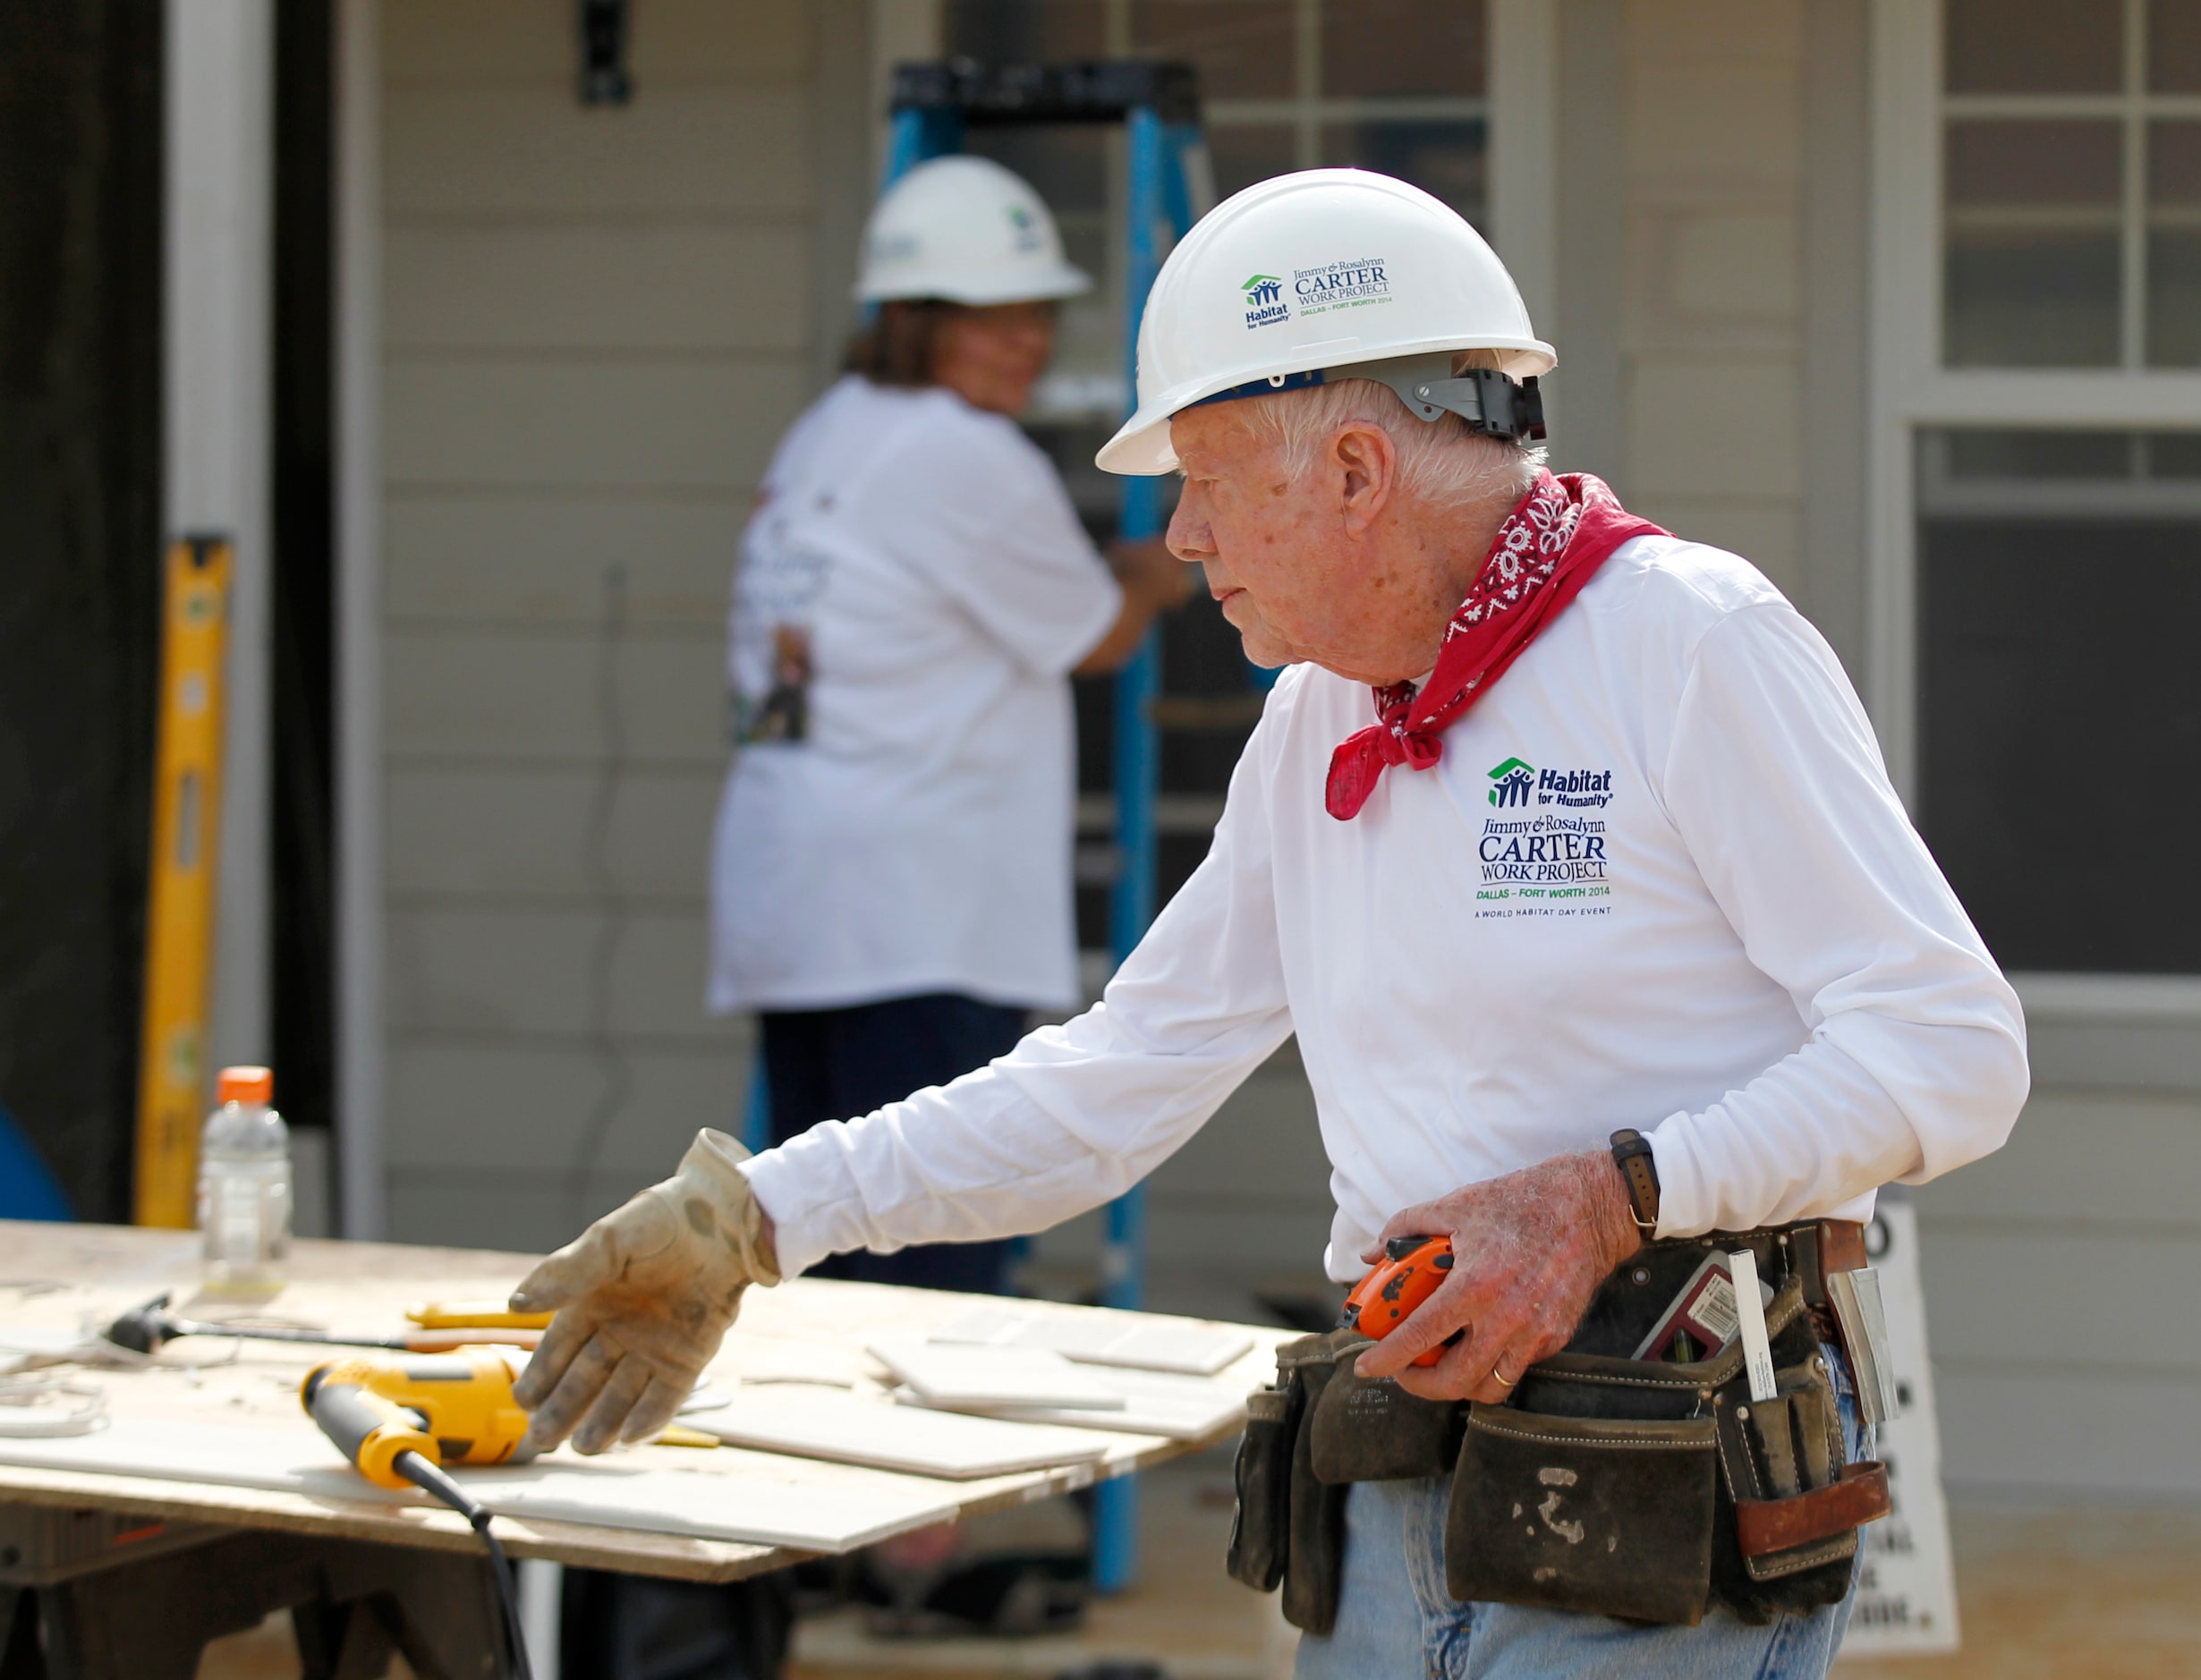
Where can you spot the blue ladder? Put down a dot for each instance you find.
(1157, 105)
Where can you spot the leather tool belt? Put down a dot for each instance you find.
(1647, 1489)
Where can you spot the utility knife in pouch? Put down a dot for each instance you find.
(1368, 1428)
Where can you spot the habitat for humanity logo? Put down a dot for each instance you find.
(1024, 231)
(1512, 780)
(1264, 301)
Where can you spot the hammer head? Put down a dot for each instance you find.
(144, 1330)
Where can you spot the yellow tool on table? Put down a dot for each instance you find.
(454, 1408)
(399, 1420)
(474, 1315)
(148, 1329)
(681, 1435)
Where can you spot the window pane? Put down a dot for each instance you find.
(2040, 164)
(2035, 46)
(1371, 48)
(1243, 47)
(2174, 456)
(2174, 46)
(2174, 244)
(2047, 800)
(2031, 271)
(2015, 455)
(2040, 300)
(1244, 156)
(2060, 727)
(1443, 159)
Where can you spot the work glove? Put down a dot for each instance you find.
(643, 1298)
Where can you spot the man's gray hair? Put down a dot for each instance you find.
(1441, 463)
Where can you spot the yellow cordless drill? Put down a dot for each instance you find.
(450, 1409)
(399, 1420)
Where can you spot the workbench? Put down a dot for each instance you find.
(131, 1575)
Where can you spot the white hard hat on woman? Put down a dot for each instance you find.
(964, 230)
(1324, 275)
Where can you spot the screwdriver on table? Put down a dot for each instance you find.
(145, 1329)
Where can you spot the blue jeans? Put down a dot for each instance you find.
(1396, 1621)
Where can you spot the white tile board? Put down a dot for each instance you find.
(1187, 1417)
(608, 1493)
(963, 1377)
(916, 1440)
(1193, 1349)
(24, 1345)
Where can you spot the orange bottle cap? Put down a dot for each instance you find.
(245, 1084)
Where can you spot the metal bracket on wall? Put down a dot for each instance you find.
(604, 78)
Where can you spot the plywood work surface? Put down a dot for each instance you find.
(804, 1339)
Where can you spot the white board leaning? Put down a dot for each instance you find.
(1907, 1600)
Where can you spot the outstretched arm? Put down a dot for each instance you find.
(1070, 1118)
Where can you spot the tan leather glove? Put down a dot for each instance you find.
(643, 1298)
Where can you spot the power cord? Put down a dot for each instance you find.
(431, 1480)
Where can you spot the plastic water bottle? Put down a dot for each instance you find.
(245, 1186)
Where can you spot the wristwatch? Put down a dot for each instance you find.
(1631, 1153)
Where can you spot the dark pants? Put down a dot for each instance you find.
(637, 1627)
(838, 1064)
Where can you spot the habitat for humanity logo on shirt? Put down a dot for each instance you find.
(1553, 862)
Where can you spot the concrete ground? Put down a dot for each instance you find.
(2045, 1592)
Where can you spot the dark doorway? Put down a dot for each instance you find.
(303, 916)
(79, 496)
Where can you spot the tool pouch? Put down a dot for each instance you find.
(1260, 1531)
(1794, 1504)
(1368, 1428)
(1607, 1515)
(1290, 1524)
(1654, 1489)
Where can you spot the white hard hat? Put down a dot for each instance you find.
(967, 230)
(1324, 274)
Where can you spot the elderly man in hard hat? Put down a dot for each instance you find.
(891, 872)
(1566, 849)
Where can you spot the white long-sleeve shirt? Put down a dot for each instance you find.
(916, 573)
(1658, 879)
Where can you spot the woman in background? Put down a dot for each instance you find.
(891, 878)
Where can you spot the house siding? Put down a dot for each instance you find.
(597, 323)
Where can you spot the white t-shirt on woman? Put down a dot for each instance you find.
(913, 592)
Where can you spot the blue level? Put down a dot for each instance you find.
(1158, 105)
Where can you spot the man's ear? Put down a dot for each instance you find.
(1367, 462)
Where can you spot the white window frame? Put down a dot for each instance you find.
(1910, 389)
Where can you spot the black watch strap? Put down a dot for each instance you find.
(1631, 1153)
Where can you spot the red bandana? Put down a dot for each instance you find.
(1550, 544)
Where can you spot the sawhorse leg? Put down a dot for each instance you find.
(352, 1602)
